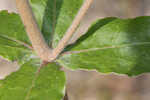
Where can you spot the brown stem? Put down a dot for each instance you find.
(66, 96)
(62, 43)
(36, 38)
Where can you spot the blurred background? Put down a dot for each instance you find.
(84, 85)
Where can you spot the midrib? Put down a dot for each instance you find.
(108, 47)
(15, 40)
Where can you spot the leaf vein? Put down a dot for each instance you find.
(17, 41)
(33, 83)
(107, 47)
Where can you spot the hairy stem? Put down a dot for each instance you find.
(62, 43)
(35, 35)
(36, 38)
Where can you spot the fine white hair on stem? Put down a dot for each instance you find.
(33, 31)
(63, 42)
(38, 43)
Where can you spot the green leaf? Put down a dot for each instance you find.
(14, 42)
(33, 82)
(121, 46)
(11, 27)
(55, 16)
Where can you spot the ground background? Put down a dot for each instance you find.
(83, 85)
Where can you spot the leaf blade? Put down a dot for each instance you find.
(14, 43)
(11, 26)
(121, 46)
(30, 83)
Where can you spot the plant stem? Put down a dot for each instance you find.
(66, 96)
(36, 38)
(63, 42)
(35, 35)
